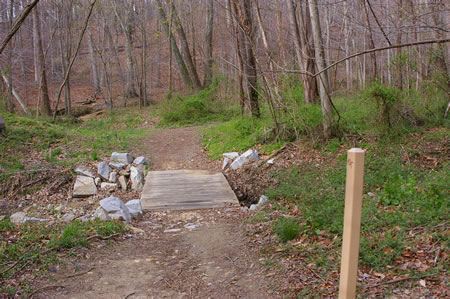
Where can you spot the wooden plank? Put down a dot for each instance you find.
(352, 223)
(186, 189)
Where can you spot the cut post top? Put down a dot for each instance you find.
(356, 150)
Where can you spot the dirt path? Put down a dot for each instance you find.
(181, 254)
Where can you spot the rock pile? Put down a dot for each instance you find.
(113, 208)
(121, 172)
(239, 160)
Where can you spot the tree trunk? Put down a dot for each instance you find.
(130, 59)
(245, 21)
(174, 48)
(208, 64)
(113, 49)
(92, 54)
(327, 110)
(185, 49)
(43, 89)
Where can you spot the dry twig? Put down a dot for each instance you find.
(81, 273)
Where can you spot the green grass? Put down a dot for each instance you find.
(286, 229)
(199, 108)
(35, 246)
(404, 197)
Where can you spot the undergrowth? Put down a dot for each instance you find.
(39, 246)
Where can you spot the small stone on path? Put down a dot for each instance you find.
(17, 218)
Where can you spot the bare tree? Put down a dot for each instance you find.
(208, 61)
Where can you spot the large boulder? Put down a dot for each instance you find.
(103, 170)
(122, 157)
(248, 156)
(140, 161)
(82, 171)
(84, 187)
(137, 178)
(115, 208)
(134, 206)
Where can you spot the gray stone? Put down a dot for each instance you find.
(84, 186)
(34, 220)
(101, 214)
(253, 207)
(17, 218)
(122, 157)
(191, 226)
(225, 162)
(108, 186)
(59, 208)
(123, 183)
(140, 160)
(117, 166)
(262, 200)
(271, 161)
(83, 171)
(251, 155)
(134, 207)
(97, 181)
(103, 170)
(125, 173)
(68, 218)
(231, 156)
(371, 194)
(238, 163)
(113, 177)
(114, 206)
(137, 178)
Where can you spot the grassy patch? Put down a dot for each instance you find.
(198, 108)
(286, 229)
(34, 247)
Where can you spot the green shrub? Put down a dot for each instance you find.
(286, 229)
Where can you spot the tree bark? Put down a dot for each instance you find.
(185, 49)
(327, 109)
(95, 76)
(43, 89)
(174, 48)
(208, 64)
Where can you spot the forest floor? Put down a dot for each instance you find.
(211, 257)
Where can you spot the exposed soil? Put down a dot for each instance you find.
(205, 253)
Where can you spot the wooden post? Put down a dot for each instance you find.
(352, 223)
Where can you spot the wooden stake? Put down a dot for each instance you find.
(352, 223)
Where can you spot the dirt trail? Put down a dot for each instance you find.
(204, 255)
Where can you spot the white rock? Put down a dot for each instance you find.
(123, 183)
(134, 207)
(262, 200)
(225, 162)
(253, 207)
(117, 166)
(113, 205)
(59, 208)
(103, 170)
(82, 171)
(113, 177)
(68, 218)
(191, 226)
(251, 155)
(122, 157)
(271, 161)
(97, 181)
(101, 214)
(371, 194)
(231, 156)
(84, 186)
(140, 160)
(34, 220)
(108, 186)
(137, 178)
(17, 218)
(238, 163)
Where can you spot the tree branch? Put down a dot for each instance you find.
(26, 11)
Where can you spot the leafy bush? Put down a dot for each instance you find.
(286, 229)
